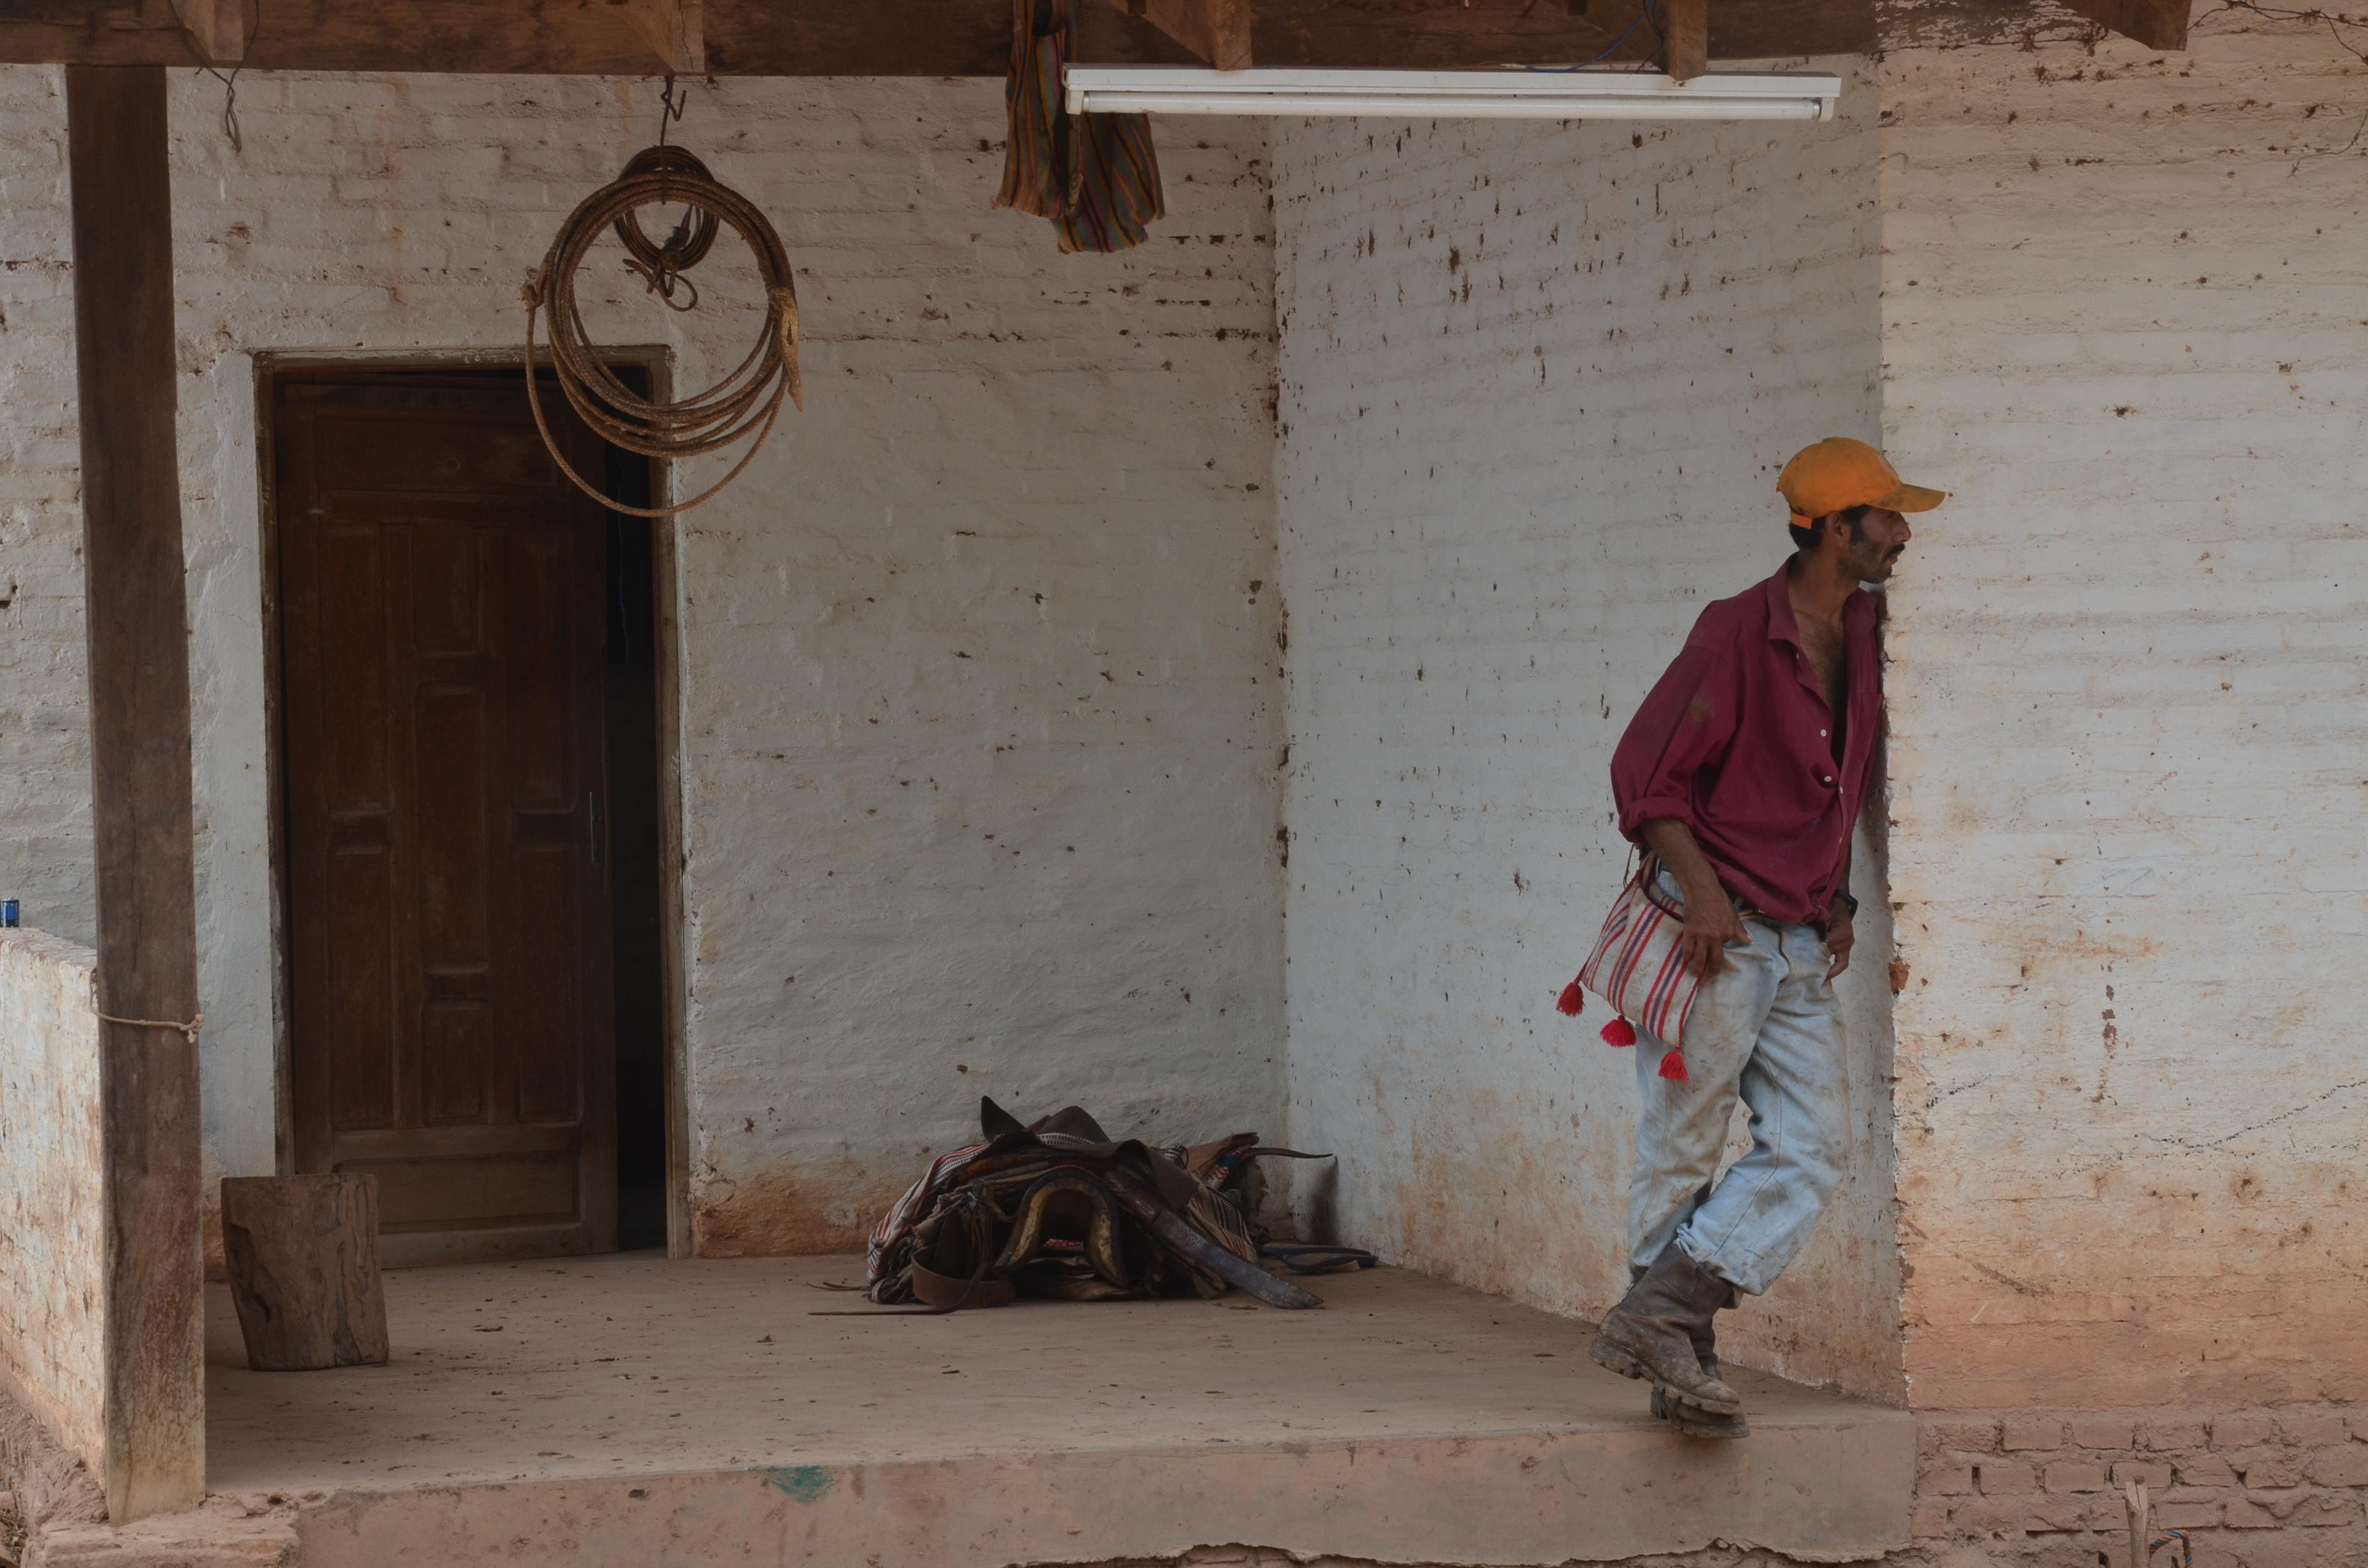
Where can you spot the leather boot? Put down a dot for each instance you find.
(1692, 1419)
(1650, 1335)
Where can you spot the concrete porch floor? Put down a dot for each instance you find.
(630, 1410)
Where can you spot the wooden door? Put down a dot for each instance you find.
(447, 906)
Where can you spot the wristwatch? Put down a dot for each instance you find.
(1847, 902)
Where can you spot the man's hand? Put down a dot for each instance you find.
(1711, 925)
(1710, 921)
(1839, 937)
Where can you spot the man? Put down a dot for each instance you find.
(1742, 776)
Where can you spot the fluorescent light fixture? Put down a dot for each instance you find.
(1447, 95)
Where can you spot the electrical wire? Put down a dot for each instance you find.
(230, 91)
(1644, 10)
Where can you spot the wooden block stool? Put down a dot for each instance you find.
(303, 1252)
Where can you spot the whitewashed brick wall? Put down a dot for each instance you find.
(52, 1192)
(2125, 318)
(1537, 383)
(980, 704)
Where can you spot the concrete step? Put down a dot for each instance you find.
(633, 1411)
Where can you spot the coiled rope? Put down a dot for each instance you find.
(744, 404)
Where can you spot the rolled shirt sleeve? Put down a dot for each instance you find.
(1682, 731)
(1740, 742)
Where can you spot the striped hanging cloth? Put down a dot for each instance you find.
(1093, 174)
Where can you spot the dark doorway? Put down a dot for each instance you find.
(634, 901)
(468, 769)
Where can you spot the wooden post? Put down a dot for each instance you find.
(302, 1253)
(1685, 37)
(137, 629)
(1216, 30)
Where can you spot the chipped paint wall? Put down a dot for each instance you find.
(979, 709)
(2125, 318)
(1537, 383)
(53, 1191)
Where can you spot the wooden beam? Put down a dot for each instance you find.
(897, 37)
(218, 29)
(676, 32)
(137, 626)
(2158, 24)
(1450, 35)
(1685, 37)
(1215, 32)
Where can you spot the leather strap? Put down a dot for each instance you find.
(943, 1294)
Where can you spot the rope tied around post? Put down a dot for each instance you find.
(740, 405)
(189, 1030)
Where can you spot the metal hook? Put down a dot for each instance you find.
(669, 110)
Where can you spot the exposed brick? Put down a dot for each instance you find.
(2267, 1467)
(2069, 1550)
(2199, 1515)
(2206, 1470)
(2162, 1435)
(1945, 1480)
(1930, 1518)
(2076, 1475)
(2323, 1510)
(2057, 1513)
(2346, 1466)
(2102, 1432)
(2310, 1427)
(2156, 1472)
(2246, 1514)
(2030, 1432)
(1987, 1516)
(2004, 1478)
(1966, 1437)
(2106, 1511)
(2246, 1430)
(2276, 1548)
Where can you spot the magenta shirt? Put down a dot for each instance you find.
(1736, 741)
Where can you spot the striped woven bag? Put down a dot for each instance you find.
(1637, 968)
(1094, 175)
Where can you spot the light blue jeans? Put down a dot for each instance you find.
(1767, 1029)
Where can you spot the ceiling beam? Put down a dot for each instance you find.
(1685, 37)
(2158, 24)
(1216, 32)
(676, 32)
(218, 29)
(900, 37)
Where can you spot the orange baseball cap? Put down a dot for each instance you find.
(1836, 473)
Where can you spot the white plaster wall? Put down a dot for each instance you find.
(1537, 383)
(52, 1192)
(2125, 309)
(45, 858)
(980, 701)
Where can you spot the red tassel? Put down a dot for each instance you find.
(1619, 1031)
(1571, 1001)
(1673, 1067)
